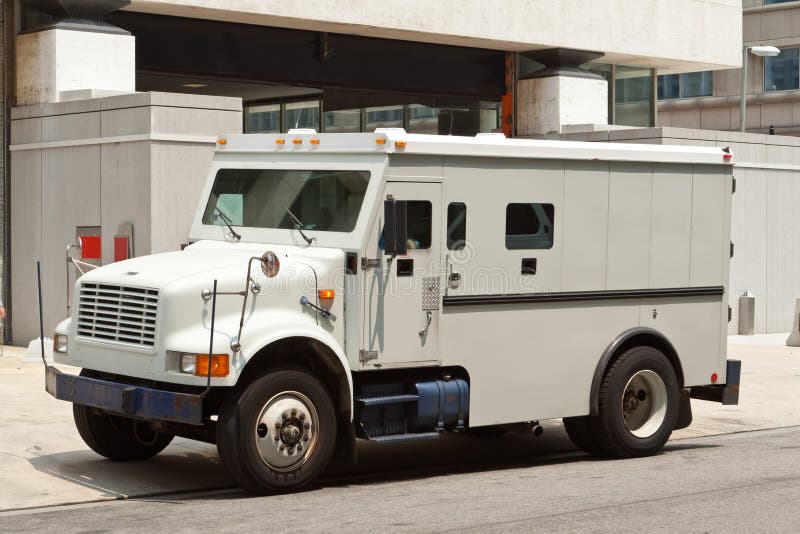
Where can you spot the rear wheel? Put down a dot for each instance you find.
(278, 433)
(118, 438)
(639, 402)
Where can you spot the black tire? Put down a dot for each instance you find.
(581, 430)
(609, 430)
(118, 438)
(241, 425)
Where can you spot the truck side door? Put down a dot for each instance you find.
(403, 295)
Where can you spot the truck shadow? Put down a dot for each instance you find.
(179, 468)
(188, 467)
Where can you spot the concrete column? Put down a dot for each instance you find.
(140, 159)
(561, 94)
(75, 53)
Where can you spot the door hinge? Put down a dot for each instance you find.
(733, 186)
(730, 314)
(731, 249)
(365, 356)
(370, 263)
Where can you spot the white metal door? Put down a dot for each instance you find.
(403, 295)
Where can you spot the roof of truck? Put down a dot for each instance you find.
(397, 141)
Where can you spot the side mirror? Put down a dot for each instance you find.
(394, 227)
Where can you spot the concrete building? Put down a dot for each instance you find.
(711, 99)
(101, 145)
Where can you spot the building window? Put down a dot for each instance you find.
(781, 72)
(689, 85)
(302, 114)
(264, 119)
(633, 96)
(384, 117)
(343, 121)
(279, 117)
(669, 86)
(768, 2)
(529, 226)
(456, 225)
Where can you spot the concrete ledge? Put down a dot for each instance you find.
(129, 100)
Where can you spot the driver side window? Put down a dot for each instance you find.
(419, 216)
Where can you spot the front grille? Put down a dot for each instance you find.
(120, 314)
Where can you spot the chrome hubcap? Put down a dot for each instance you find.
(286, 431)
(644, 404)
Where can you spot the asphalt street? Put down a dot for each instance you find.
(744, 482)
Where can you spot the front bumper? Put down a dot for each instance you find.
(125, 399)
(727, 393)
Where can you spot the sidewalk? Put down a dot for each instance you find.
(45, 462)
(50, 464)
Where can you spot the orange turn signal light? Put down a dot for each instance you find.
(219, 365)
(380, 141)
(280, 141)
(222, 141)
(297, 141)
(314, 141)
(400, 144)
(326, 294)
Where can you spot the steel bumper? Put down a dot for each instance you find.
(125, 399)
(727, 393)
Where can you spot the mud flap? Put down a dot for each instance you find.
(684, 410)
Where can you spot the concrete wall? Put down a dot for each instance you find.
(140, 158)
(779, 109)
(765, 220)
(681, 35)
(3, 177)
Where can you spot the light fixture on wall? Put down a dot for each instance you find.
(761, 51)
(194, 85)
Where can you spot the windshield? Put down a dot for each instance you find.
(265, 198)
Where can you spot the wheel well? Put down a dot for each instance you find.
(640, 337)
(308, 354)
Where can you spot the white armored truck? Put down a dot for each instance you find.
(388, 286)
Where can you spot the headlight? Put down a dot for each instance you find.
(197, 364)
(188, 363)
(60, 343)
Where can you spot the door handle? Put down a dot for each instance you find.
(428, 318)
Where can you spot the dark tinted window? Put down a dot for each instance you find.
(456, 225)
(418, 223)
(529, 226)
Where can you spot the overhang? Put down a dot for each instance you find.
(673, 36)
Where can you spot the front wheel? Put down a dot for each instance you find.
(118, 438)
(278, 433)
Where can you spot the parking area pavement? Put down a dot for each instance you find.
(45, 462)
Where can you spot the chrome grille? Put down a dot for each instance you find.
(120, 314)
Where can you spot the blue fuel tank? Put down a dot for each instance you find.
(442, 404)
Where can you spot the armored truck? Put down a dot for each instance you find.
(390, 286)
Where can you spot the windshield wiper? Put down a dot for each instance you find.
(228, 222)
(298, 225)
